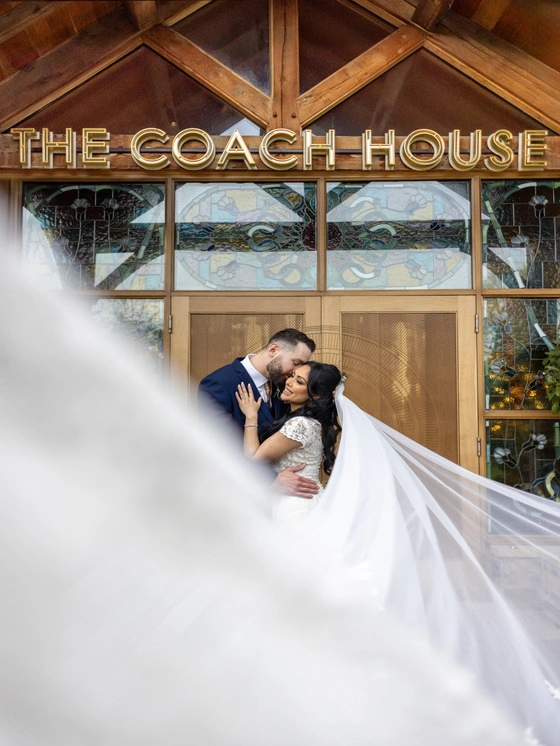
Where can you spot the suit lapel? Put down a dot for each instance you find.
(266, 415)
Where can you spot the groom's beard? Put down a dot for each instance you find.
(276, 374)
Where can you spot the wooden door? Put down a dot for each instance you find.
(210, 331)
(410, 362)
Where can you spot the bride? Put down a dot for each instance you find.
(470, 563)
(306, 434)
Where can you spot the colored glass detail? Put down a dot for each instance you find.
(392, 235)
(245, 236)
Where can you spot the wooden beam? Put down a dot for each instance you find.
(489, 12)
(19, 18)
(429, 13)
(173, 11)
(359, 72)
(397, 15)
(284, 41)
(65, 67)
(395, 12)
(515, 76)
(212, 74)
(142, 13)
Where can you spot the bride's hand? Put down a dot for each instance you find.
(247, 403)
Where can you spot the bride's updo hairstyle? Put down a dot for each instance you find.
(321, 383)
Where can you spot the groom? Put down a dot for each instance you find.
(264, 372)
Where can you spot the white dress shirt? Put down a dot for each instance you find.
(258, 379)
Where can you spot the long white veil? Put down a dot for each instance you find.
(473, 564)
(147, 596)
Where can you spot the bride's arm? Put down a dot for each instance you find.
(274, 447)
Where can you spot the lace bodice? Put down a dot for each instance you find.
(307, 432)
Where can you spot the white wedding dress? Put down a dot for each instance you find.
(307, 432)
(148, 597)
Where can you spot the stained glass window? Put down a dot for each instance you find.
(391, 235)
(524, 454)
(517, 334)
(521, 241)
(245, 236)
(102, 236)
(139, 320)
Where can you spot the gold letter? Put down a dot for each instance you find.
(498, 143)
(388, 150)
(154, 164)
(422, 164)
(95, 140)
(532, 143)
(279, 164)
(67, 146)
(455, 159)
(309, 148)
(193, 134)
(236, 148)
(25, 134)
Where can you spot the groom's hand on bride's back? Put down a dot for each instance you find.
(289, 482)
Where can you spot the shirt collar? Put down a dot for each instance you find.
(258, 378)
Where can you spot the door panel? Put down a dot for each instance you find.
(209, 332)
(401, 357)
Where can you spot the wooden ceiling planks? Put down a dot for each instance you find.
(30, 30)
(66, 66)
(500, 67)
(49, 48)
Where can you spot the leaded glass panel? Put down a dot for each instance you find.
(392, 235)
(517, 334)
(521, 234)
(102, 236)
(140, 321)
(245, 236)
(523, 453)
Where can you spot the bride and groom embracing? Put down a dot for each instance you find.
(471, 564)
(295, 429)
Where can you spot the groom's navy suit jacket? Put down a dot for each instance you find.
(218, 388)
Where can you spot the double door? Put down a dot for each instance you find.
(409, 361)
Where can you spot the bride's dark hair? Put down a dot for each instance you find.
(321, 383)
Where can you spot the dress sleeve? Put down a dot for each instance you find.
(298, 428)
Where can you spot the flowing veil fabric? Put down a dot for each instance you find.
(470, 563)
(147, 596)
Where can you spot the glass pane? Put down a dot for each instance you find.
(520, 234)
(517, 335)
(418, 90)
(390, 235)
(145, 91)
(238, 39)
(332, 34)
(139, 320)
(103, 236)
(245, 236)
(523, 454)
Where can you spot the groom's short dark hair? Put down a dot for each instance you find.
(290, 338)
